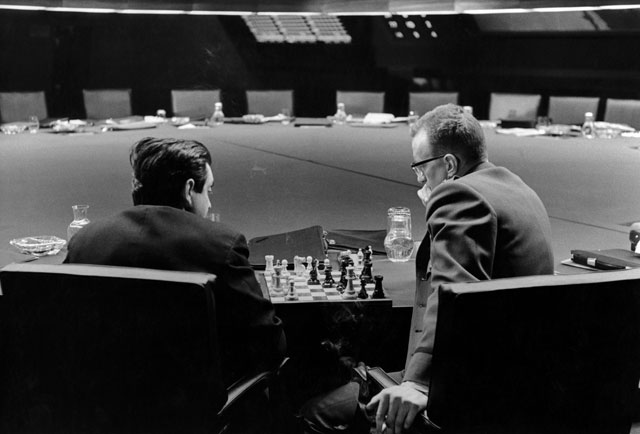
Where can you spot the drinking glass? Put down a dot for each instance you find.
(34, 124)
(286, 116)
(80, 220)
(213, 216)
(399, 241)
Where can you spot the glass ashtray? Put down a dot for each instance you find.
(42, 245)
(13, 128)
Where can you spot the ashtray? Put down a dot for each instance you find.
(42, 245)
(13, 128)
(253, 119)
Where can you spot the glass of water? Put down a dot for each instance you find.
(399, 241)
(34, 124)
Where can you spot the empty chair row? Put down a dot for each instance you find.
(563, 109)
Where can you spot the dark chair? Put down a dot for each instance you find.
(513, 106)
(197, 104)
(542, 354)
(20, 106)
(623, 111)
(111, 349)
(571, 109)
(269, 102)
(423, 102)
(361, 103)
(107, 103)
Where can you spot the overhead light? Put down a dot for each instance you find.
(82, 10)
(617, 7)
(23, 7)
(434, 35)
(410, 25)
(151, 11)
(495, 11)
(428, 24)
(416, 35)
(233, 13)
(393, 24)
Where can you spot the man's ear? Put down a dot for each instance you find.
(452, 165)
(187, 190)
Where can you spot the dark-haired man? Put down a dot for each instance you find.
(483, 222)
(166, 229)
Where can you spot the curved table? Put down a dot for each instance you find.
(274, 178)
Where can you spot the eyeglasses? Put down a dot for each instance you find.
(415, 165)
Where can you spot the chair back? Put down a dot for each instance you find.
(552, 354)
(361, 103)
(423, 102)
(269, 102)
(623, 111)
(107, 103)
(513, 106)
(20, 106)
(197, 104)
(571, 109)
(101, 349)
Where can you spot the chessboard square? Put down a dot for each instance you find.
(333, 297)
(305, 298)
(319, 297)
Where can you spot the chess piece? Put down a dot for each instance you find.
(328, 278)
(268, 267)
(276, 288)
(292, 294)
(285, 270)
(378, 291)
(363, 290)
(349, 291)
(309, 267)
(313, 273)
(360, 262)
(298, 268)
(367, 269)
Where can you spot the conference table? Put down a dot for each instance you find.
(273, 178)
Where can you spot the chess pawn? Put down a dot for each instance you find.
(277, 281)
(328, 278)
(268, 267)
(349, 290)
(378, 291)
(359, 264)
(309, 266)
(363, 294)
(292, 294)
(313, 277)
(285, 271)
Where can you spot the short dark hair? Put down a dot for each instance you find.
(452, 130)
(162, 166)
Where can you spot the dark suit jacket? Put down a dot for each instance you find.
(484, 225)
(251, 336)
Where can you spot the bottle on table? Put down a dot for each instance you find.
(589, 126)
(341, 115)
(412, 118)
(80, 220)
(218, 116)
(399, 241)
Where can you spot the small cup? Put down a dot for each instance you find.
(34, 124)
(286, 113)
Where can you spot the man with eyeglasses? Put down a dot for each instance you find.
(483, 222)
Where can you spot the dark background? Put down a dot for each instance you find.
(63, 53)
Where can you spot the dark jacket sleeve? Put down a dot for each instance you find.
(463, 230)
(251, 333)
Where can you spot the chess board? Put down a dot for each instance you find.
(315, 293)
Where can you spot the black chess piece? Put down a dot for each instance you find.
(378, 291)
(363, 290)
(313, 274)
(328, 278)
(366, 271)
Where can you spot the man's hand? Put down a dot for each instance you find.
(398, 407)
